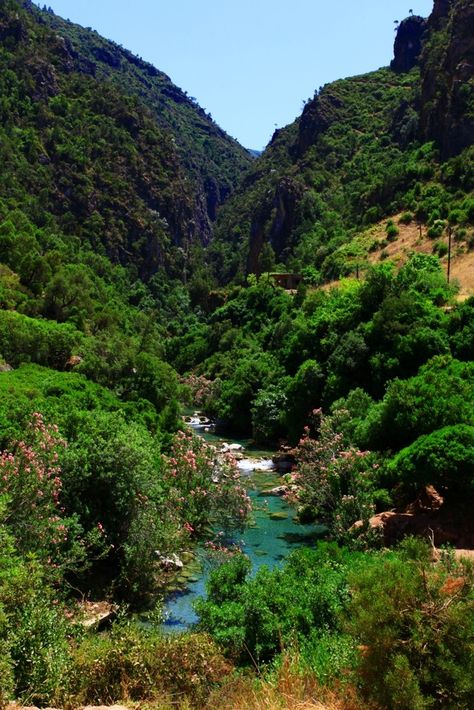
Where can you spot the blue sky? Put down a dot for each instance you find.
(250, 63)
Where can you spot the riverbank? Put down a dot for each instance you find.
(272, 534)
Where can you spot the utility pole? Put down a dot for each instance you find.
(450, 235)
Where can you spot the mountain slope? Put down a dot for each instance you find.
(213, 158)
(101, 146)
(447, 61)
(363, 148)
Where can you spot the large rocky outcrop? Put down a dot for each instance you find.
(429, 517)
(440, 12)
(316, 118)
(408, 43)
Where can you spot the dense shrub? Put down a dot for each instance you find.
(138, 665)
(24, 339)
(406, 218)
(392, 232)
(333, 483)
(253, 617)
(415, 626)
(444, 459)
(440, 395)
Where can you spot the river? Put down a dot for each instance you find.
(272, 534)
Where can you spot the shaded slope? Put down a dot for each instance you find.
(323, 173)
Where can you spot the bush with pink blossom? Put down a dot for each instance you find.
(31, 486)
(334, 482)
(205, 487)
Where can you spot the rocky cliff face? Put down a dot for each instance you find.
(408, 43)
(440, 12)
(316, 118)
(447, 66)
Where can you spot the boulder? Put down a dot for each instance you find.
(74, 361)
(97, 615)
(279, 516)
(236, 447)
(277, 491)
(284, 461)
(170, 562)
(429, 499)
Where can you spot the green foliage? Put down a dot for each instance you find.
(44, 342)
(112, 483)
(392, 231)
(106, 168)
(462, 331)
(40, 651)
(330, 171)
(268, 413)
(440, 395)
(253, 373)
(398, 625)
(444, 459)
(253, 617)
(60, 396)
(144, 665)
(204, 490)
(440, 248)
(304, 393)
(34, 632)
(333, 483)
(406, 218)
(415, 624)
(100, 145)
(31, 486)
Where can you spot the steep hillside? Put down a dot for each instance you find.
(111, 177)
(213, 159)
(97, 144)
(447, 62)
(363, 148)
(400, 237)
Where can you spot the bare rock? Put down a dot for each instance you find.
(97, 614)
(277, 491)
(408, 43)
(284, 461)
(171, 562)
(429, 499)
(74, 361)
(236, 447)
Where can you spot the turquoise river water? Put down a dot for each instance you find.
(266, 542)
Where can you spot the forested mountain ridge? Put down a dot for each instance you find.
(209, 155)
(366, 147)
(108, 290)
(106, 144)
